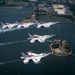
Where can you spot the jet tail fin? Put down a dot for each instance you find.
(24, 55)
(18, 22)
(37, 22)
(30, 35)
(2, 23)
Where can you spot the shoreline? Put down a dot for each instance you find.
(57, 18)
(16, 7)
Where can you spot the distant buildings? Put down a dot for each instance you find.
(43, 6)
(60, 9)
(33, 0)
(53, 8)
(52, 1)
(71, 1)
(58, 1)
(61, 1)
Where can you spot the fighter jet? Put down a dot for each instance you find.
(23, 24)
(42, 24)
(33, 37)
(33, 56)
(8, 25)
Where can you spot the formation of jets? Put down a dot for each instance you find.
(18, 24)
(34, 37)
(27, 56)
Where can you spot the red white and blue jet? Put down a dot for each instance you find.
(27, 56)
(34, 37)
(8, 25)
(45, 25)
(24, 25)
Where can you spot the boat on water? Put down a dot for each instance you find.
(60, 48)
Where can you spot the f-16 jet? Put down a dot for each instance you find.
(34, 37)
(44, 25)
(27, 56)
(24, 25)
(8, 25)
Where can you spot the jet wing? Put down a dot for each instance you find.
(36, 60)
(46, 25)
(41, 40)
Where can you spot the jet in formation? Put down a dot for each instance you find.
(8, 25)
(27, 56)
(27, 25)
(34, 37)
(24, 25)
(42, 24)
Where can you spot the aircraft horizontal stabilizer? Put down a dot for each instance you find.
(25, 61)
